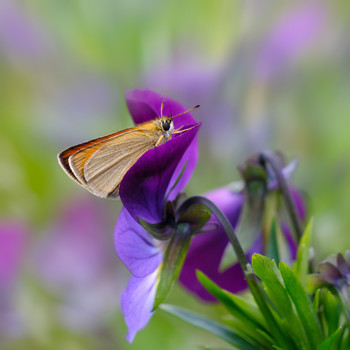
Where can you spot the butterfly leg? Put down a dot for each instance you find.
(180, 130)
(159, 141)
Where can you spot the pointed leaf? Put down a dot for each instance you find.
(331, 310)
(237, 306)
(256, 338)
(171, 266)
(272, 247)
(302, 304)
(327, 344)
(301, 266)
(269, 274)
(207, 324)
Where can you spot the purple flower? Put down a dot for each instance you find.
(13, 239)
(74, 257)
(20, 35)
(144, 192)
(291, 36)
(206, 250)
(334, 272)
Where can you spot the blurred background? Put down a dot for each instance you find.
(267, 74)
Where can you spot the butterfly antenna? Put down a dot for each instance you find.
(161, 109)
(188, 111)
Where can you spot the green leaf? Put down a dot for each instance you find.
(173, 260)
(237, 306)
(330, 310)
(209, 325)
(267, 311)
(301, 266)
(302, 305)
(272, 247)
(256, 338)
(314, 281)
(248, 314)
(267, 271)
(326, 345)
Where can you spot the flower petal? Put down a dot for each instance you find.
(135, 247)
(329, 272)
(144, 186)
(189, 161)
(144, 105)
(137, 303)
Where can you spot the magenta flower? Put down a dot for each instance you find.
(207, 250)
(144, 191)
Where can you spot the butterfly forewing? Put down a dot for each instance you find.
(106, 168)
(100, 167)
(64, 156)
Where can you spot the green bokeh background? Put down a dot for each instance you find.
(64, 67)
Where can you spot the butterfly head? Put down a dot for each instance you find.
(167, 126)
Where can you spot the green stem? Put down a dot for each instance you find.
(225, 224)
(270, 157)
(254, 287)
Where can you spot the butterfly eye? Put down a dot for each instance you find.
(166, 125)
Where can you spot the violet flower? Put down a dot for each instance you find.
(144, 191)
(74, 257)
(13, 240)
(291, 36)
(207, 250)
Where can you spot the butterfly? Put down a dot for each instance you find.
(99, 165)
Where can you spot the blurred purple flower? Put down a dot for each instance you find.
(206, 250)
(292, 34)
(13, 240)
(143, 192)
(21, 36)
(74, 257)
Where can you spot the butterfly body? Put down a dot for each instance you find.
(99, 165)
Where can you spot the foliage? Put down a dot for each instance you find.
(299, 320)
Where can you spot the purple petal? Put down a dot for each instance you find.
(343, 266)
(329, 272)
(288, 172)
(144, 105)
(206, 251)
(13, 237)
(144, 187)
(137, 303)
(292, 245)
(299, 202)
(135, 247)
(189, 160)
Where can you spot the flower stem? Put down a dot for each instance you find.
(225, 224)
(270, 157)
(254, 287)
